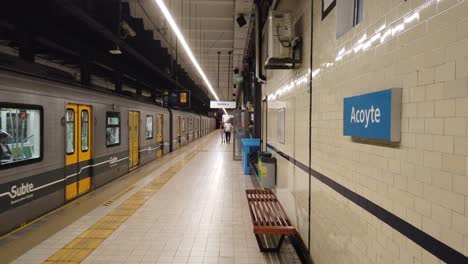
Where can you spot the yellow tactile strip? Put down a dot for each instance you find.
(82, 246)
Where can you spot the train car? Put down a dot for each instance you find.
(59, 142)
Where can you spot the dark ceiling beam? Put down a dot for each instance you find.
(61, 38)
(109, 35)
(78, 48)
(145, 42)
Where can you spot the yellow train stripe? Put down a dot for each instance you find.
(82, 246)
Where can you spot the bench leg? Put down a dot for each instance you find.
(265, 249)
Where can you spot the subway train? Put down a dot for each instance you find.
(58, 142)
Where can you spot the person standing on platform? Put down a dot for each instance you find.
(227, 130)
(221, 130)
(251, 128)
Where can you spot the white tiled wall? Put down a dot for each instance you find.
(424, 178)
(292, 185)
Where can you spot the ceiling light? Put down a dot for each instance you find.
(184, 44)
(115, 50)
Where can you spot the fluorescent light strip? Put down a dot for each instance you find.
(182, 41)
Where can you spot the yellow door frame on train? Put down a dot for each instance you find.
(133, 138)
(159, 137)
(78, 154)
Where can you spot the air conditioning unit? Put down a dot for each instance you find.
(281, 43)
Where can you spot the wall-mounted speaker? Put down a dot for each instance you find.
(241, 20)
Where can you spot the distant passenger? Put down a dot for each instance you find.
(112, 136)
(5, 152)
(221, 130)
(251, 128)
(227, 130)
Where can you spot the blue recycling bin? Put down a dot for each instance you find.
(248, 145)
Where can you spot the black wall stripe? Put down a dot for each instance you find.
(434, 246)
(327, 11)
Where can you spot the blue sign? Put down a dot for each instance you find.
(374, 115)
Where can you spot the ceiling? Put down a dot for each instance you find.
(209, 27)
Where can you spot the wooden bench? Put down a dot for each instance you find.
(268, 218)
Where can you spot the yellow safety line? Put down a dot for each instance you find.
(83, 245)
(23, 226)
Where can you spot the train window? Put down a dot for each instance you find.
(149, 127)
(20, 134)
(84, 131)
(113, 129)
(70, 131)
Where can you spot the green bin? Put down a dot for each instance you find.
(268, 169)
(262, 154)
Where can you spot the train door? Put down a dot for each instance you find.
(201, 127)
(78, 147)
(187, 130)
(159, 137)
(192, 126)
(133, 138)
(179, 124)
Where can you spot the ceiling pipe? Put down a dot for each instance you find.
(219, 54)
(229, 75)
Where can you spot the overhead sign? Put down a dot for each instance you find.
(374, 115)
(176, 98)
(223, 104)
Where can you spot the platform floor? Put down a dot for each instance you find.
(188, 207)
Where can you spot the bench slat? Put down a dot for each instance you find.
(278, 218)
(281, 215)
(261, 218)
(273, 216)
(268, 216)
(266, 213)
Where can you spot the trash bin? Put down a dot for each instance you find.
(261, 154)
(268, 171)
(248, 145)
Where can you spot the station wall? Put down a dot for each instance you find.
(420, 46)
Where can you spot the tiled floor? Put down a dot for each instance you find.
(199, 216)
